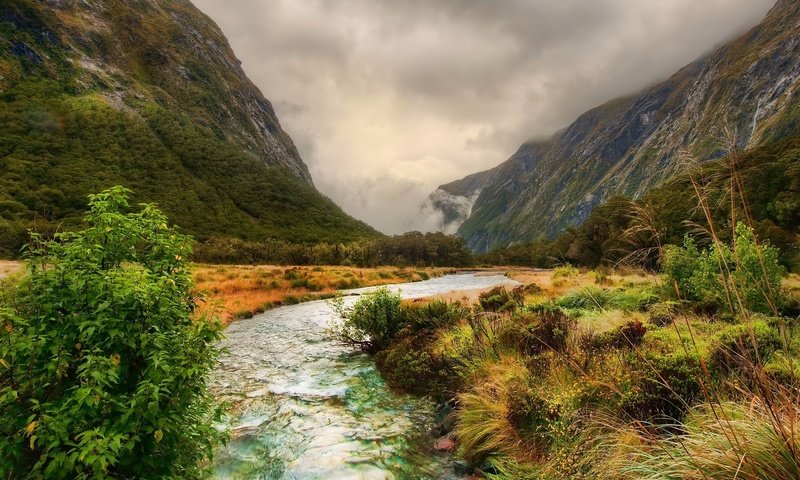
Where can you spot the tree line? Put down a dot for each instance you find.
(409, 249)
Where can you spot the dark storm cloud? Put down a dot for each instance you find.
(387, 99)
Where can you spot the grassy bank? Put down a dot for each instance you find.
(241, 291)
(593, 375)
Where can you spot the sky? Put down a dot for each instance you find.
(388, 99)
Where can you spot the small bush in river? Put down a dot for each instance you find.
(371, 323)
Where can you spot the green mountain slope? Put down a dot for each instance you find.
(617, 231)
(150, 96)
(749, 88)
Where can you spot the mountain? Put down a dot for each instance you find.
(147, 94)
(629, 145)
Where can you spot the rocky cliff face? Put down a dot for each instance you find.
(145, 94)
(169, 52)
(749, 87)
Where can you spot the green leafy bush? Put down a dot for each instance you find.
(102, 364)
(663, 386)
(742, 346)
(745, 277)
(537, 331)
(629, 335)
(371, 323)
(499, 299)
(409, 365)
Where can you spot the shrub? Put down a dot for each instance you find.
(348, 284)
(784, 368)
(739, 347)
(662, 314)
(626, 299)
(629, 335)
(371, 323)
(499, 299)
(300, 283)
(662, 387)
(745, 277)
(564, 272)
(409, 364)
(102, 364)
(538, 331)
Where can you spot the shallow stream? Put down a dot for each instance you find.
(306, 408)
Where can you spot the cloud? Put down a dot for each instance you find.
(387, 99)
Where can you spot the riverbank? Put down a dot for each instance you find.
(240, 291)
(234, 292)
(573, 375)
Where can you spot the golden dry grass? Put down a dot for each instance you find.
(10, 267)
(237, 291)
(552, 287)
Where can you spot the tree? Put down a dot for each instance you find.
(103, 363)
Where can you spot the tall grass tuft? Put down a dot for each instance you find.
(743, 441)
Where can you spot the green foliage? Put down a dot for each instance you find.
(744, 345)
(102, 363)
(410, 365)
(629, 335)
(434, 315)
(565, 271)
(500, 299)
(413, 248)
(540, 331)
(606, 237)
(745, 277)
(664, 386)
(371, 323)
(594, 298)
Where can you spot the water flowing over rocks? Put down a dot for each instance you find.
(304, 407)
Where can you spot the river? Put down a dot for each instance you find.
(303, 407)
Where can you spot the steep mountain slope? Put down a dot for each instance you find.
(146, 94)
(629, 145)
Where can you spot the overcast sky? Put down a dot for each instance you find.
(387, 99)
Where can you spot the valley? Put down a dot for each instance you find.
(178, 298)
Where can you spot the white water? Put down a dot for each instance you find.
(306, 408)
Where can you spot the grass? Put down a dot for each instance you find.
(753, 442)
(641, 387)
(243, 291)
(9, 267)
